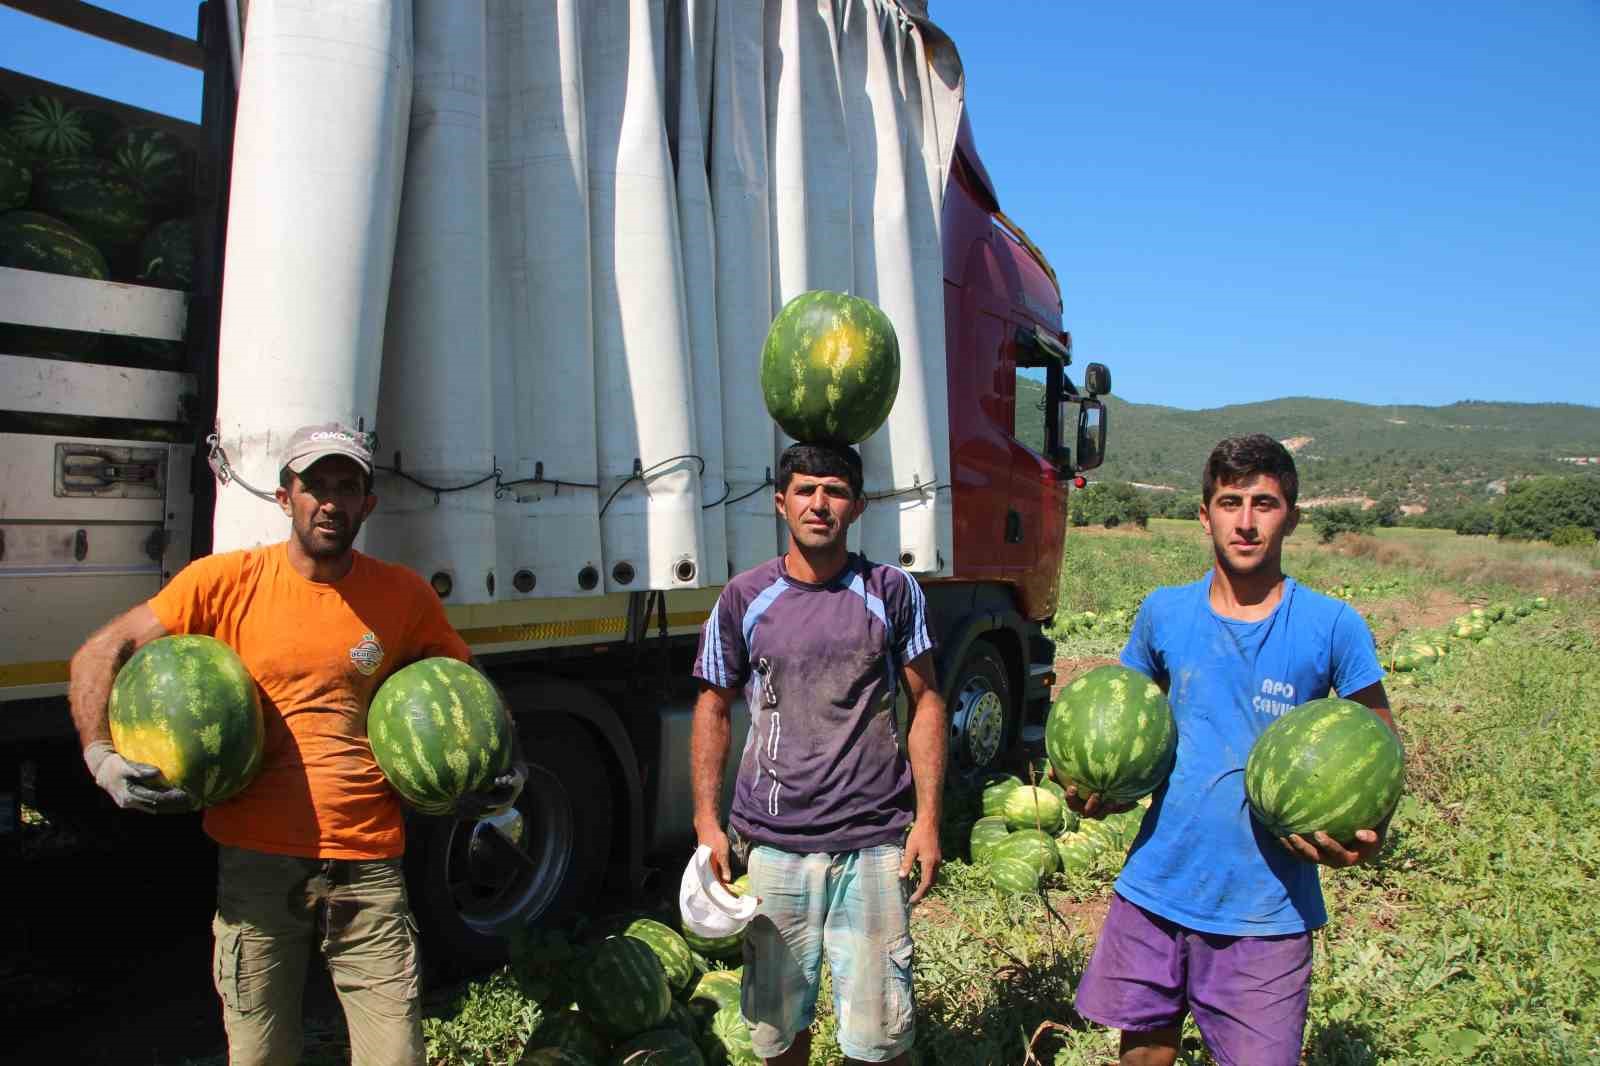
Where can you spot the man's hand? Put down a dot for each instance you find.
(713, 837)
(133, 786)
(1090, 805)
(498, 797)
(1322, 848)
(921, 852)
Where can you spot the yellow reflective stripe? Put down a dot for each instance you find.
(15, 674)
(534, 632)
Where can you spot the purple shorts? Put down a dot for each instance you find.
(1248, 994)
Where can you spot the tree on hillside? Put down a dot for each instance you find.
(1536, 508)
(1387, 511)
(1108, 503)
(1333, 519)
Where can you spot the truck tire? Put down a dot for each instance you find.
(982, 710)
(470, 883)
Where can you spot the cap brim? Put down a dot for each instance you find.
(301, 463)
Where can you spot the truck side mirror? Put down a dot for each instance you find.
(1091, 434)
(1097, 379)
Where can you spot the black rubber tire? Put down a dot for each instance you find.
(982, 671)
(466, 893)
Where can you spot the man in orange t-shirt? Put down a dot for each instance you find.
(313, 845)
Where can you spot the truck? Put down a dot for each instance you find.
(533, 250)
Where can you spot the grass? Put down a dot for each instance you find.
(1473, 938)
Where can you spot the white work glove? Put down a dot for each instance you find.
(133, 786)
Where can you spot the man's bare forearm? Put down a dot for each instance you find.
(927, 747)
(709, 738)
(94, 669)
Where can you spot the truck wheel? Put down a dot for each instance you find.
(982, 710)
(472, 882)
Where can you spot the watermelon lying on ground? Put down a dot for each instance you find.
(439, 731)
(1030, 807)
(1033, 846)
(670, 950)
(658, 1047)
(1013, 875)
(986, 833)
(830, 368)
(570, 1031)
(623, 989)
(187, 706)
(716, 990)
(995, 793)
(1111, 732)
(1330, 765)
(727, 1040)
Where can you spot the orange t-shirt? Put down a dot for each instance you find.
(318, 653)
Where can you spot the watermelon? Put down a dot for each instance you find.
(722, 947)
(155, 162)
(670, 949)
(48, 128)
(727, 1041)
(623, 988)
(1014, 875)
(570, 1031)
(1541, 603)
(986, 833)
(681, 1018)
(1330, 765)
(1030, 845)
(830, 368)
(658, 1047)
(187, 706)
(1111, 732)
(166, 255)
(31, 241)
(94, 198)
(717, 989)
(1077, 852)
(995, 794)
(16, 173)
(103, 129)
(439, 731)
(1029, 807)
(555, 1056)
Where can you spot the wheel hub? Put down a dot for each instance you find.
(506, 868)
(978, 722)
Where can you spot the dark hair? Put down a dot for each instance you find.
(820, 460)
(1238, 459)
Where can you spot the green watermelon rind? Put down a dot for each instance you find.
(187, 705)
(95, 199)
(32, 240)
(47, 127)
(994, 795)
(16, 173)
(1015, 876)
(1111, 732)
(1330, 765)
(670, 948)
(986, 833)
(830, 368)
(438, 730)
(658, 1047)
(623, 988)
(1033, 846)
(1034, 807)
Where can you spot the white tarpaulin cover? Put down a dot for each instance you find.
(535, 246)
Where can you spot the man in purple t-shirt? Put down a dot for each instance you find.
(821, 641)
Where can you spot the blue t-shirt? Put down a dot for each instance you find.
(822, 767)
(1200, 859)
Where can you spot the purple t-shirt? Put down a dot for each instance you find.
(822, 768)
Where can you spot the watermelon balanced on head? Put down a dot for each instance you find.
(439, 731)
(1329, 766)
(830, 368)
(187, 706)
(1111, 732)
(623, 989)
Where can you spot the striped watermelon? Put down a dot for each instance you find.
(97, 200)
(830, 368)
(681, 1018)
(158, 164)
(16, 173)
(187, 706)
(1014, 875)
(995, 794)
(1032, 846)
(658, 1047)
(727, 1041)
(48, 128)
(986, 834)
(1330, 765)
(717, 989)
(670, 949)
(722, 947)
(623, 988)
(31, 241)
(1077, 851)
(1030, 807)
(1111, 732)
(439, 731)
(166, 255)
(570, 1031)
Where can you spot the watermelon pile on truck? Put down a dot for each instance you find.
(539, 269)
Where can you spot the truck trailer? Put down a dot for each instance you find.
(532, 250)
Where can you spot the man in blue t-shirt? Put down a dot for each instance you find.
(821, 641)
(1213, 916)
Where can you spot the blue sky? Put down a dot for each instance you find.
(1386, 203)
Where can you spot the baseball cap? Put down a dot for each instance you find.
(708, 909)
(310, 443)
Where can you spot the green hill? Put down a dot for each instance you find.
(1432, 456)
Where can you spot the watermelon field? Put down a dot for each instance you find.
(1472, 939)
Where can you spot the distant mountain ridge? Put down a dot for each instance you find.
(1432, 456)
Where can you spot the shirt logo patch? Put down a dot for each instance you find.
(367, 655)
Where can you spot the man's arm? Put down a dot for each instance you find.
(709, 738)
(927, 746)
(1368, 842)
(133, 786)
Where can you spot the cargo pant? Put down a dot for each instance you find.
(271, 911)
